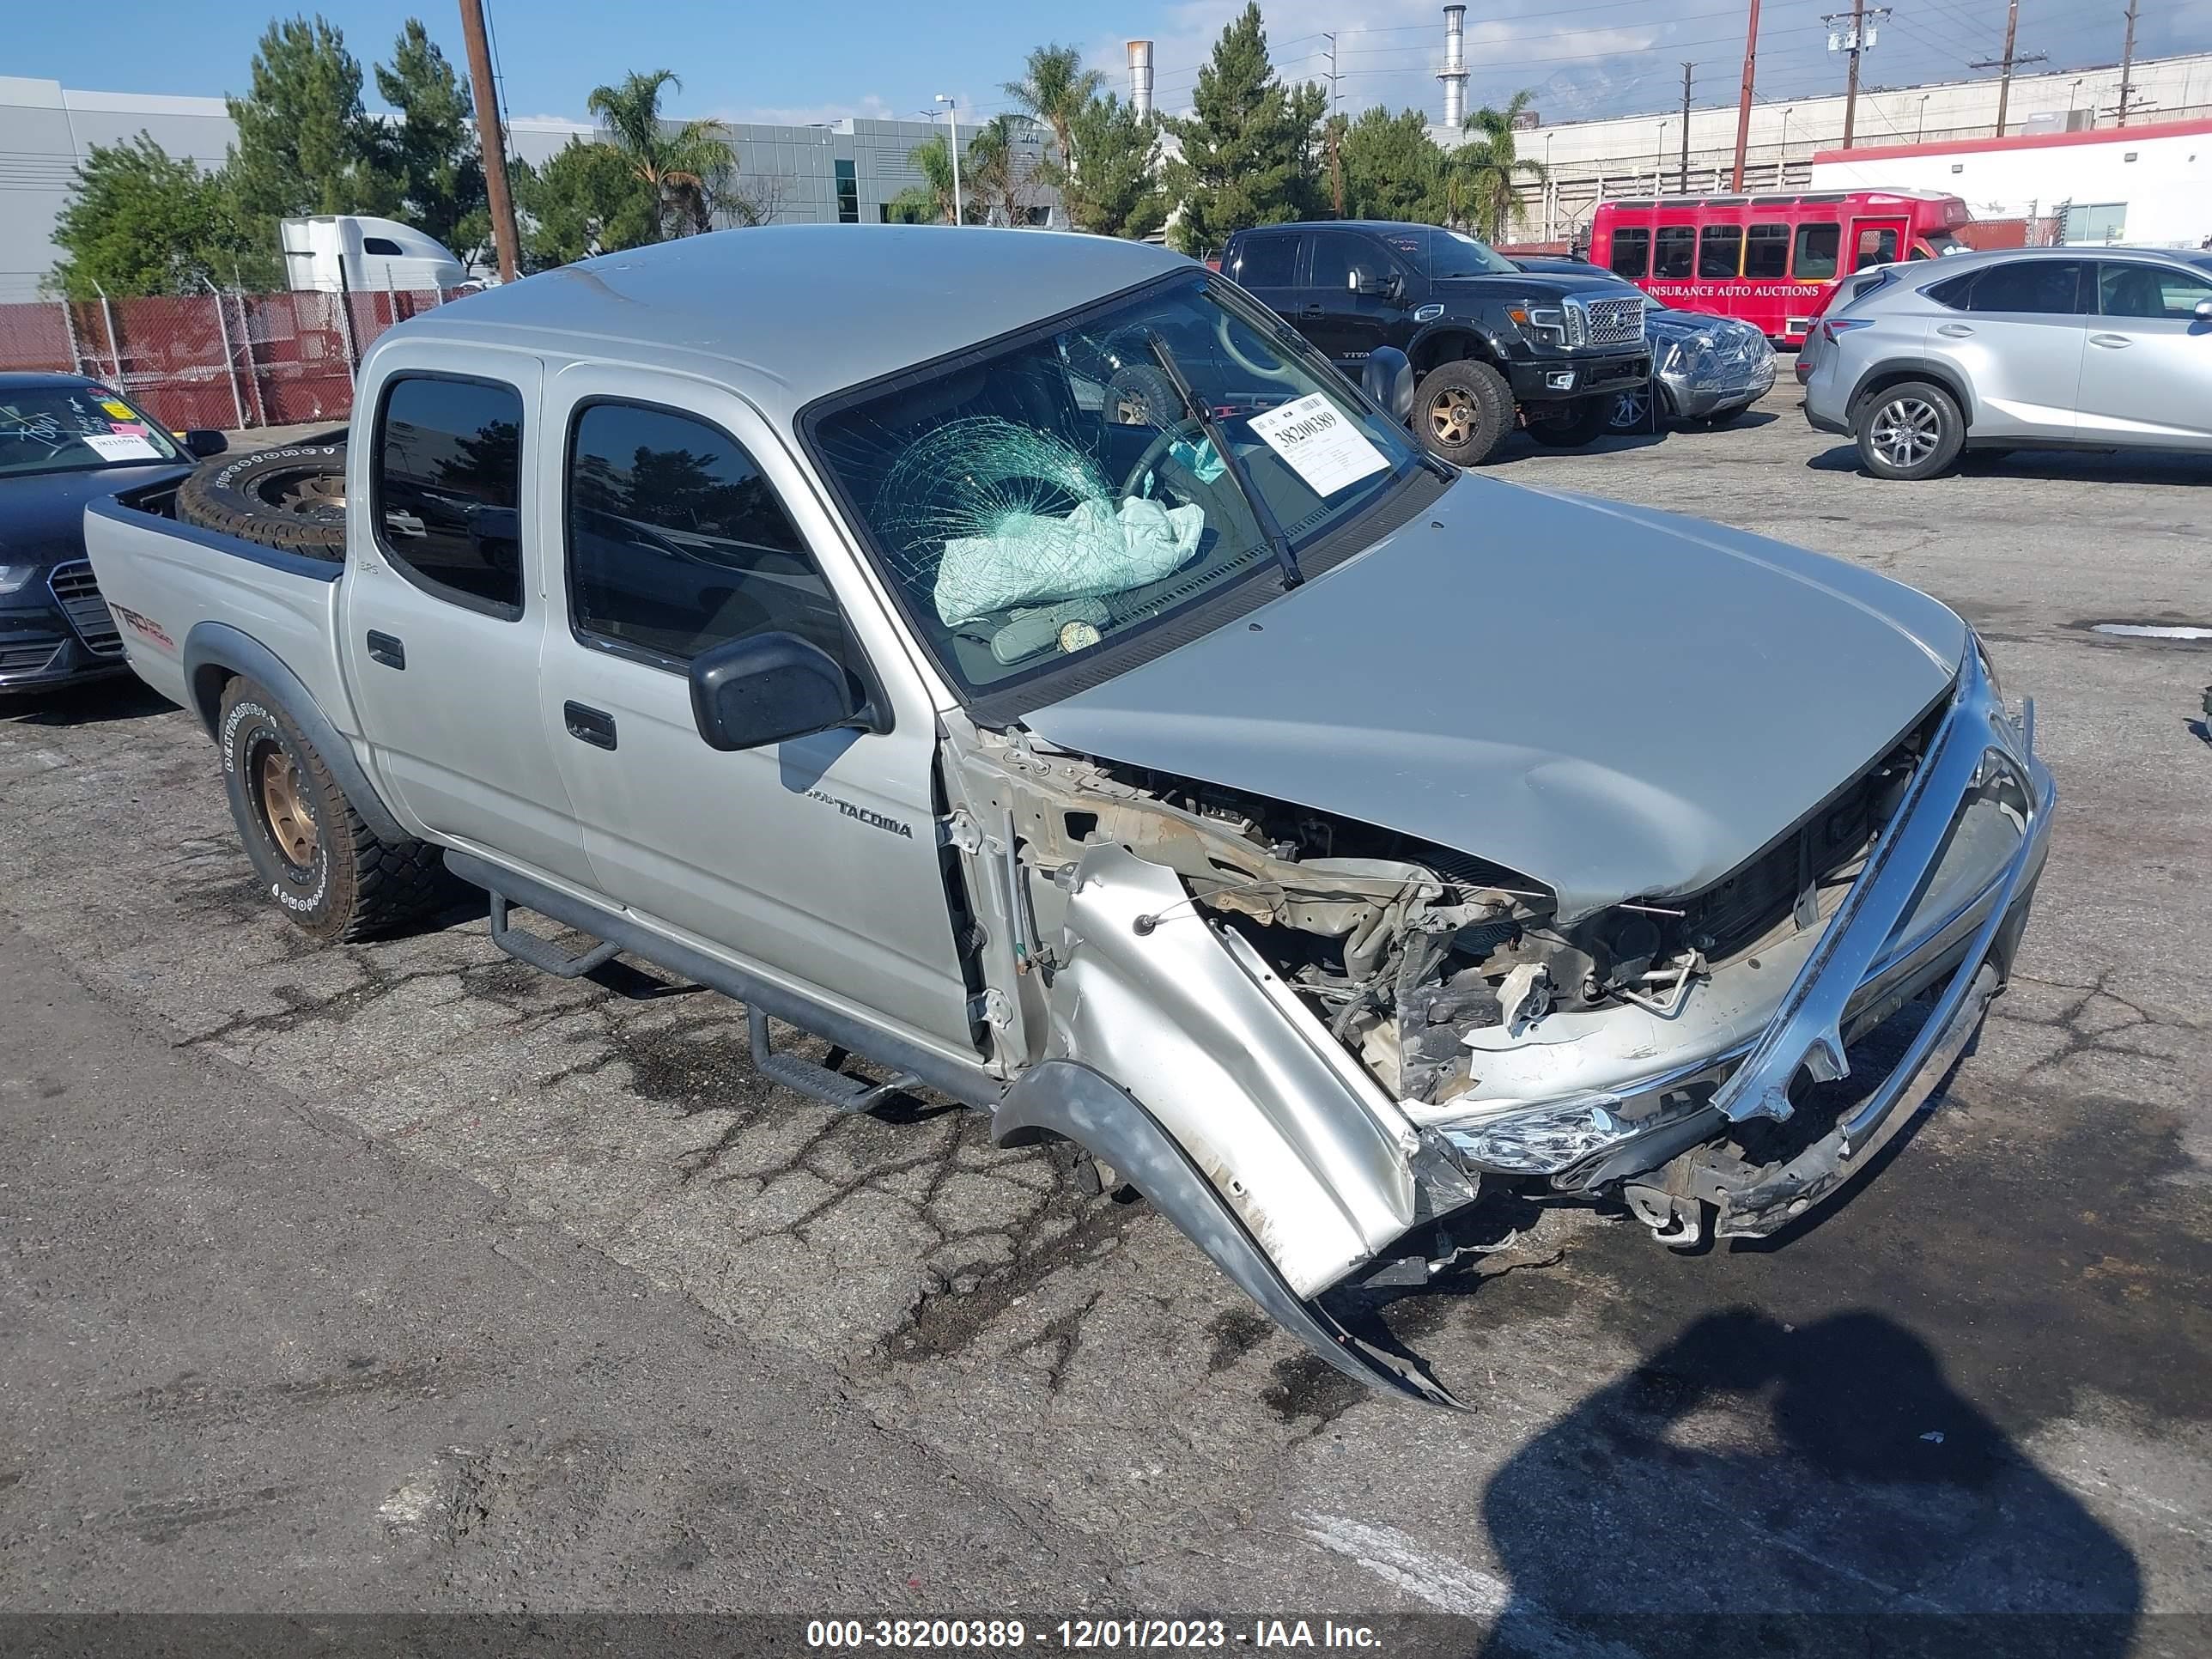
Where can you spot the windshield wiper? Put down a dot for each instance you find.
(1262, 514)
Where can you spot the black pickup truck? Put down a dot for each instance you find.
(1483, 335)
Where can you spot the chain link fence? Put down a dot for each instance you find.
(216, 360)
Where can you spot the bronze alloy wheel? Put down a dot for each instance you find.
(284, 807)
(1452, 414)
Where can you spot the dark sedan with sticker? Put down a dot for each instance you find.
(66, 441)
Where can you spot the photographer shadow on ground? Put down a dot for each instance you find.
(1821, 1490)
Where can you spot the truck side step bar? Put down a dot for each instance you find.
(847, 1094)
(542, 954)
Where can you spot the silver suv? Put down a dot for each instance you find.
(2030, 348)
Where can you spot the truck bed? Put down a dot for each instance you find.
(164, 578)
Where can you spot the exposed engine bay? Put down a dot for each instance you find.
(1416, 957)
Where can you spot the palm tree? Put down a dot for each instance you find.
(930, 202)
(996, 174)
(685, 169)
(1486, 171)
(1053, 88)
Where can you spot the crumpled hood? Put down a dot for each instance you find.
(1619, 702)
(42, 514)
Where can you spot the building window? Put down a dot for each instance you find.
(849, 194)
(1766, 253)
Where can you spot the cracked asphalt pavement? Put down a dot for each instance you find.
(395, 1276)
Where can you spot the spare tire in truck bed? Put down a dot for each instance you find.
(293, 499)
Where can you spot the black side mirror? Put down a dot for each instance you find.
(752, 692)
(1387, 376)
(205, 441)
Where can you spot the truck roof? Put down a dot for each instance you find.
(785, 313)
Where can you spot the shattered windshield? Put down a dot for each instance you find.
(1048, 496)
(75, 429)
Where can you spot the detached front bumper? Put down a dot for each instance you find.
(1935, 913)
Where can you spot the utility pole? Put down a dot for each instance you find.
(491, 139)
(1335, 97)
(1683, 184)
(1858, 38)
(1743, 102)
(2128, 66)
(2006, 62)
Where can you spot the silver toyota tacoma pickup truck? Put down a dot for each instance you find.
(1016, 661)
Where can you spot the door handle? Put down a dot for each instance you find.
(593, 726)
(387, 650)
(1956, 330)
(2111, 341)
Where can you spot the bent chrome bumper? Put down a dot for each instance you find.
(1882, 948)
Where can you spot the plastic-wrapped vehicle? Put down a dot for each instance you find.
(1020, 663)
(1703, 369)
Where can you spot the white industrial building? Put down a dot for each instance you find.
(1642, 154)
(841, 171)
(2149, 185)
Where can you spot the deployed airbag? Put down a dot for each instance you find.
(1030, 559)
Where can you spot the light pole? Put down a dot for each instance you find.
(1658, 157)
(1920, 133)
(953, 116)
(1781, 163)
(1549, 191)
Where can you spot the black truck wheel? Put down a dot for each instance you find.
(293, 499)
(1463, 412)
(1571, 423)
(333, 877)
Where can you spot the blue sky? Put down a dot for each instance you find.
(743, 61)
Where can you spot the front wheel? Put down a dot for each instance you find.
(1910, 431)
(1463, 412)
(329, 871)
(1631, 409)
(1569, 425)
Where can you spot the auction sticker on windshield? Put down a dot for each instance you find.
(1320, 445)
(120, 447)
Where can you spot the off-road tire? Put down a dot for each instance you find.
(292, 499)
(1938, 431)
(338, 881)
(1583, 420)
(1482, 411)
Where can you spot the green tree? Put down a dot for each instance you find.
(1248, 152)
(1392, 169)
(305, 144)
(1116, 193)
(930, 202)
(998, 180)
(1484, 186)
(1055, 89)
(585, 199)
(430, 151)
(144, 222)
(685, 169)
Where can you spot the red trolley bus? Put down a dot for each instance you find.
(1768, 259)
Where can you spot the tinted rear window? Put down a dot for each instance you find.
(1266, 261)
(2034, 287)
(449, 486)
(1632, 253)
(1677, 252)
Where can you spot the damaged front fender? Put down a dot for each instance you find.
(1061, 1097)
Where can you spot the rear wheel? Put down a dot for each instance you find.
(1569, 425)
(1463, 412)
(1910, 431)
(331, 874)
(1631, 411)
(293, 499)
